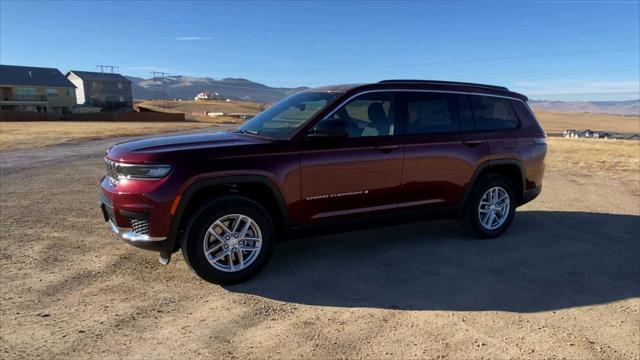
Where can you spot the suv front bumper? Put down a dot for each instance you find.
(128, 234)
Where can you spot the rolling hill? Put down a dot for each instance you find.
(186, 87)
(626, 108)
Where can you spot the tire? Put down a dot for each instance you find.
(212, 229)
(473, 218)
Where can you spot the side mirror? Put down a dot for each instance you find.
(329, 129)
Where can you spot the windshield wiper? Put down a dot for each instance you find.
(244, 131)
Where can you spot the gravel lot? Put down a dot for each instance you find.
(564, 282)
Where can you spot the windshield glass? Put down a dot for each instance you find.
(282, 119)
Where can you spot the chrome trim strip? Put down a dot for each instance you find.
(343, 103)
(128, 235)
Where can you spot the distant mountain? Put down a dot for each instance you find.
(627, 108)
(187, 87)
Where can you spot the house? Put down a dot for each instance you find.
(109, 91)
(29, 88)
(205, 96)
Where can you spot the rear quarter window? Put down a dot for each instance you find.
(493, 113)
(526, 117)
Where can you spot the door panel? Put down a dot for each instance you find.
(357, 174)
(439, 167)
(349, 180)
(442, 149)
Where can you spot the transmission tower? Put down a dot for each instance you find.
(111, 68)
(161, 92)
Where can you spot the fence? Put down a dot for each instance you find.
(12, 115)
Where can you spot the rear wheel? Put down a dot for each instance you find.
(491, 207)
(229, 240)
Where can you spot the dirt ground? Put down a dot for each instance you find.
(556, 122)
(26, 134)
(563, 282)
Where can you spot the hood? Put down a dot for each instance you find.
(152, 149)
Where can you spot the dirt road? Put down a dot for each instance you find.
(564, 282)
(21, 159)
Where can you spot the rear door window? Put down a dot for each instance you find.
(431, 113)
(493, 113)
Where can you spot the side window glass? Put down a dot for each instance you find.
(431, 113)
(368, 115)
(493, 113)
(466, 118)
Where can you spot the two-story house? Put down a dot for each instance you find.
(108, 91)
(28, 88)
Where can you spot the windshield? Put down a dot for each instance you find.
(282, 119)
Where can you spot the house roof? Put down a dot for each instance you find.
(32, 76)
(98, 76)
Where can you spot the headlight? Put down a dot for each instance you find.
(142, 171)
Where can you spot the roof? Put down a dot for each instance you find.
(436, 85)
(98, 76)
(442, 82)
(32, 76)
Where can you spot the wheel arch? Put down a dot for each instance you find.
(511, 169)
(255, 187)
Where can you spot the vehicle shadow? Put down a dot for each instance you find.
(547, 260)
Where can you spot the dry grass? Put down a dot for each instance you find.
(188, 107)
(23, 135)
(616, 159)
(555, 122)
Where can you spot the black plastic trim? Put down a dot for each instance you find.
(241, 179)
(486, 165)
(134, 215)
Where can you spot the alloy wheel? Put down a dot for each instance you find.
(232, 242)
(494, 208)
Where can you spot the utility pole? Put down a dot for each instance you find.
(110, 67)
(162, 92)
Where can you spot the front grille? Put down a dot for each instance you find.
(139, 226)
(112, 169)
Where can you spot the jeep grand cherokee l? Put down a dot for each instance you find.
(326, 156)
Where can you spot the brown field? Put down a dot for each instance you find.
(556, 122)
(187, 107)
(25, 135)
(616, 159)
(561, 283)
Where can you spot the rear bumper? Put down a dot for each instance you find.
(530, 194)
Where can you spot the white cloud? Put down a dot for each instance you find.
(192, 38)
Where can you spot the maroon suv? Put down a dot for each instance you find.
(333, 155)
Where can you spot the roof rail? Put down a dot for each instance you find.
(495, 87)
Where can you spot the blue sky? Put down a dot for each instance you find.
(548, 50)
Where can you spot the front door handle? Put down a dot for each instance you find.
(387, 148)
(472, 142)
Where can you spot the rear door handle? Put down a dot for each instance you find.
(387, 148)
(472, 142)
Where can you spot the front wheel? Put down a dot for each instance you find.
(228, 240)
(491, 207)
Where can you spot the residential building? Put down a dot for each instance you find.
(28, 88)
(205, 96)
(109, 91)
